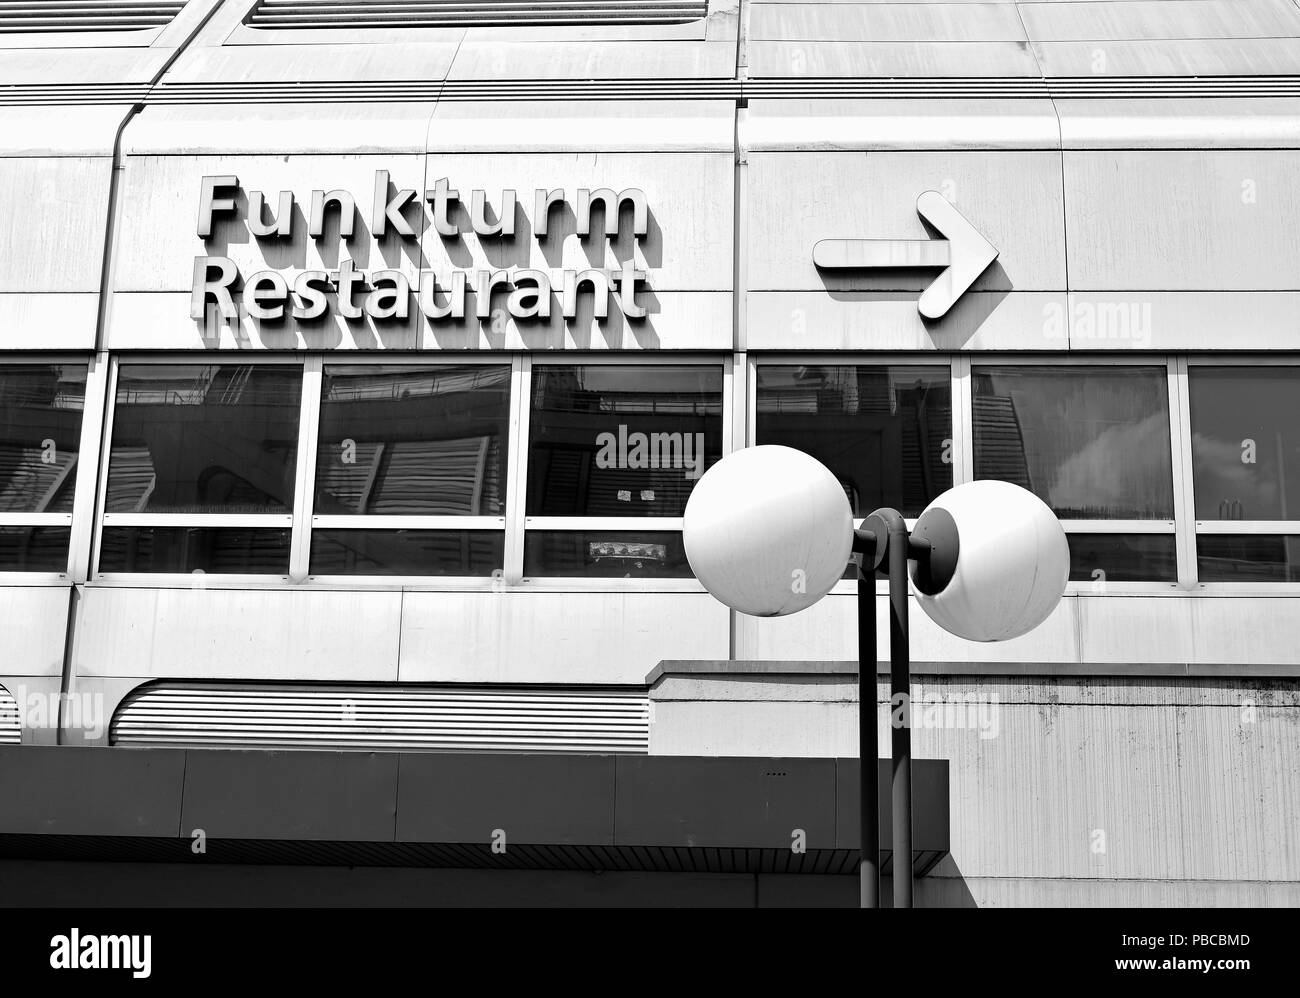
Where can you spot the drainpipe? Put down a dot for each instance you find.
(101, 332)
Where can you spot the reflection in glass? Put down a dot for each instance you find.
(621, 440)
(40, 432)
(406, 552)
(416, 440)
(1247, 558)
(34, 549)
(886, 432)
(1102, 558)
(605, 555)
(215, 550)
(204, 439)
(1245, 442)
(1091, 442)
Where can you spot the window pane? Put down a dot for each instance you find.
(413, 440)
(406, 552)
(1091, 442)
(34, 549)
(1245, 442)
(218, 550)
(204, 439)
(605, 555)
(621, 440)
(1103, 558)
(886, 432)
(40, 431)
(1247, 558)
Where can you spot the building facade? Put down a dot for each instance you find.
(357, 362)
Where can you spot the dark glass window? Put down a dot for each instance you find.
(224, 551)
(885, 432)
(605, 555)
(1247, 558)
(40, 432)
(1105, 558)
(406, 552)
(416, 440)
(1091, 442)
(1245, 442)
(34, 549)
(621, 440)
(204, 439)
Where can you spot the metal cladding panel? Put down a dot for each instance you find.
(1097, 21)
(33, 622)
(885, 22)
(1109, 321)
(585, 127)
(11, 724)
(1220, 220)
(858, 59)
(837, 124)
(53, 251)
(90, 791)
(885, 320)
(737, 803)
(280, 129)
(289, 795)
(929, 805)
(298, 64)
(73, 132)
(534, 800)
(491, 59)
(1206, 123)
(1185, 57)
(1013, 198)
(577, 637)
(261, 634)
(376, 718)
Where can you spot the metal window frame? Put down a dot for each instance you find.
(1195, 527)
(726, 364)
(83, 489)
(428, 360)
(229, 520)
(1168, 527)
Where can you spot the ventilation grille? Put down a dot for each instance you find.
(470, 13)
(11, 728)
(369, 718)
(85, 15)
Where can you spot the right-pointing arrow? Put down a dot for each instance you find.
(963, 254)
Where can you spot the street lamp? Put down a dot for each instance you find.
(768, 531)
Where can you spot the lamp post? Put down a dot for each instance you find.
(768, 531)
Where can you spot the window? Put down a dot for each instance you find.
(619, 447)
(202, 468)
(1093, 442)
(1245, 424)
(41, 408)
(411, 470)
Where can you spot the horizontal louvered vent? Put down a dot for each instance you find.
(469, 13)
(11, 729)
(85, 15)
(374, 717)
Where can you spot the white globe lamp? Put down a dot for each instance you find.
(768, 530)
(1013, 566)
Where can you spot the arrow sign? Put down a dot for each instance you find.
(963, 254)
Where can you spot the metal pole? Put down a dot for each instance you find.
(868, 736)
(900, 699)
